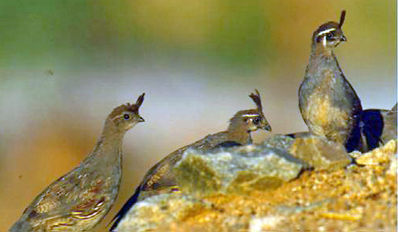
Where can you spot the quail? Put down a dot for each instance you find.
(328, 103)
(160, 179)
(378, 126)
(81, 198)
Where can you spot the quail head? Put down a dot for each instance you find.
(328, 103)
(246, 121)
(81, 198)
(160, 178)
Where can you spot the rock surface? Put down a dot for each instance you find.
(239, 171)
(160, 212)
(320, 153)
(282, 142)
(379, 156)
(356, 198)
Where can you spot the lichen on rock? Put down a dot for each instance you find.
(255, 188)
(160, 211)
(320, 153)
(379, 155)
(282, 142)
(238, 170)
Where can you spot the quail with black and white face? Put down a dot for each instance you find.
(329, 35)
(328, 103)
(80, 199)
(160, 178)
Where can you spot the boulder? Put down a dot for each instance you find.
(239, 170)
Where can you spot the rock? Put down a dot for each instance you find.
(355, 154)
(320, 153)
(360, 198)
(279, 141)
(271, 222)
(392, 170)
(159, 212)
(238, 170)
(316, 151)
(379, 155)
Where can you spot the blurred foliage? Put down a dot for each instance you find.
(72, 32)
(68, 33)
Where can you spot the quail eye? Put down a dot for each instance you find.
(126, 116)
(256, 121)
(329, 36)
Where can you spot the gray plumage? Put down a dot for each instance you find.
(160, 178)
(80, 199)
(328, 103)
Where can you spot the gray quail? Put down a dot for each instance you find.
(328, 103)
(80, 199)
(160, 179)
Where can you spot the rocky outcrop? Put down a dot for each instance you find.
(235, 171)
(320, 153)
(259, 188)
(160, 211)
(315, 151)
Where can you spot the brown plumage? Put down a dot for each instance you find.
(128, 107)
(328, 103)
(80, 199)
(160, 179)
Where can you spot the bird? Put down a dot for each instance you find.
(160, 178)
(378, 126)
(81, 198)
(328, 103)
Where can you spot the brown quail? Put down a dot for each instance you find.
(160, 179)
(328, 103)
(80, 199)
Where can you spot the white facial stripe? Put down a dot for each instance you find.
(324, 41)
(326, 31)
(114, 118)
(120, 115)
(250, 115)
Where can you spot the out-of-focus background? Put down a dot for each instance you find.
(64, 65)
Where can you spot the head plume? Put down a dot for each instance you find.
(246, 121)
(134, 107)
(257, 99)
(128, 107)
(140, 100)
(342, 18)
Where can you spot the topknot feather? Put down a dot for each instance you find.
(257, 99)
(342, 18)
(128, 107)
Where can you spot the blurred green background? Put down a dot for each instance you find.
(64, 65)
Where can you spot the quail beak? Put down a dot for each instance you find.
(343, 39)
(141, 119)
(268, 128)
